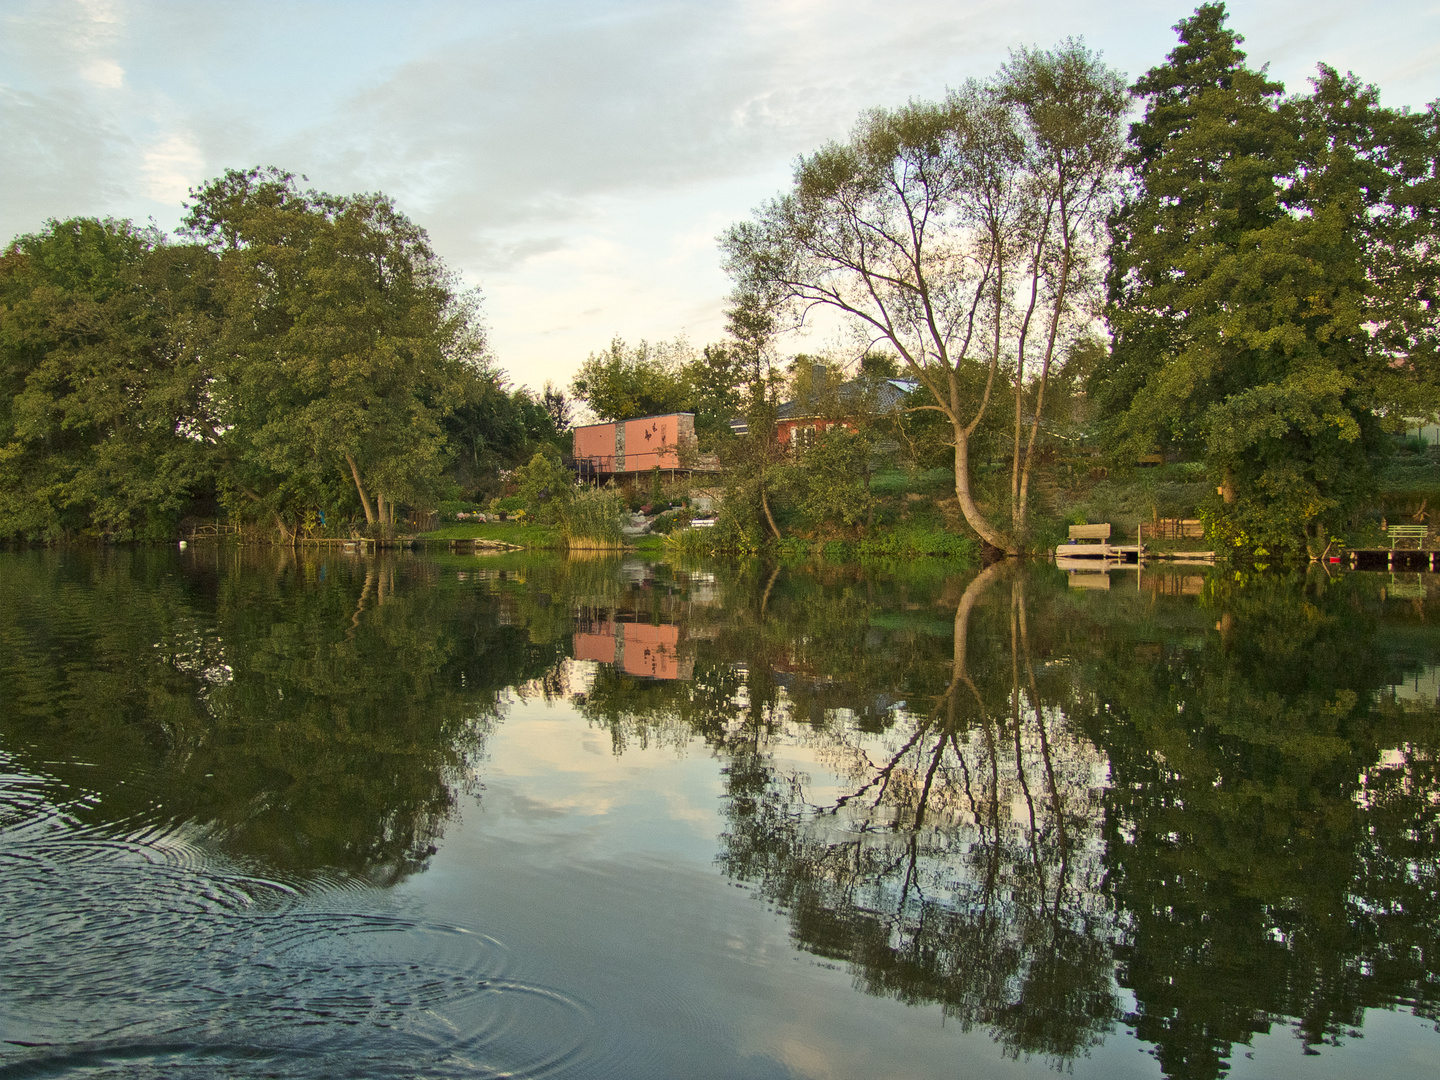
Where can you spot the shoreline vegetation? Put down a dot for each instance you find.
(1225, 315)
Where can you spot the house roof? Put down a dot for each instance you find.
(888, 394)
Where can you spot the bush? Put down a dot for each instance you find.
(669, 521)
(686, 543)
(448, 508)
(920, 482)
(546, 487)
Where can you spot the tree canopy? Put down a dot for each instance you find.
(1271, 284)
(343, 343)
(624, 381)
(292, 353)
(106, 419)
(960, 235)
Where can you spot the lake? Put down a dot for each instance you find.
(321, 815)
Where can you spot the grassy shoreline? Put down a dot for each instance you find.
(916, 515)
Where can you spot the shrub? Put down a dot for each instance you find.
(448, 508)
(669, 521)
(546, 487)
(686, 543)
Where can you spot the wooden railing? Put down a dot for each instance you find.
(1175, 529)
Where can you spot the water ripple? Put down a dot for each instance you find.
(145, 954)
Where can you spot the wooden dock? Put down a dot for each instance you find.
(1388, 559)
(1090, 546)
(1090, 553)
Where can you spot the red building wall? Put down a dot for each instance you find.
(635, 446)
(596, 441)
(651, 443)
(785, 430)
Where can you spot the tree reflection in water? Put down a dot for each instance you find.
(1196, 808)
(958, 860)
(320, 716)
(1271, 825)
(1212, 801)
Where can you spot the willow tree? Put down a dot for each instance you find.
(962, 234)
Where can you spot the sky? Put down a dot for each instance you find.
(574, 160)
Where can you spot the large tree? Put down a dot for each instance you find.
(105, 426)
(342, 346)
(960, 235)
(624, 381)
(1271, 284)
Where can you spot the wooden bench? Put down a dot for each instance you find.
(1090, 532)
(1090, 542)
(1418, 533)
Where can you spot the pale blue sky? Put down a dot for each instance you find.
(576, 160)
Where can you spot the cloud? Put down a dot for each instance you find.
(54, 164)
(579, 157)
(106, 74)
(533, 124)
(171, 167)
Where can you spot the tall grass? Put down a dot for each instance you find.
(690, 542)
(591, 520)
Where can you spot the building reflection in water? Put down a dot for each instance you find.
(649, 652)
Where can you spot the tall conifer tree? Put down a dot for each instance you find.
(1263, 285)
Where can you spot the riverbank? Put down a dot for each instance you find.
(915, 513)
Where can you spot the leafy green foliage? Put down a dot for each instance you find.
(546, 487)
(492, 428)
(625, 381)
(106, 417)
(1264, 287)
(830, 485)
(308, 354)
(342, 341)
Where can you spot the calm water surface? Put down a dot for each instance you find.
(521, 816)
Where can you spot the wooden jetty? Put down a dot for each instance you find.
(1091, 543)
(1388, 559)
(1394, 557)
(476, 545)
(1089, 555)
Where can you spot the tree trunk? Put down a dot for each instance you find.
(364, 500)
(973, 514)
(959, 672)
(765, 505)
(1227, 487)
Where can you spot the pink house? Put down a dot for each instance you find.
(628, 447)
